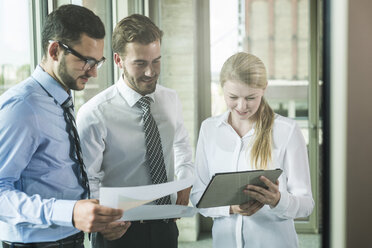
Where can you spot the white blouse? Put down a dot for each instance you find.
(221, 149)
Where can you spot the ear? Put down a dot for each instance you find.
(53, 50)
(118, 61)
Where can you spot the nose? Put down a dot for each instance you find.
(92, 72)
(242, 104)
(149, 71)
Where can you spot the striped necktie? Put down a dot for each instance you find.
(154, 149)
(68, 107)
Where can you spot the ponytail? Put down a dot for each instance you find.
(261, 149)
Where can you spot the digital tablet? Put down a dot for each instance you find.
(226, 189)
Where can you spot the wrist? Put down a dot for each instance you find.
(231, 210)
(276, 202)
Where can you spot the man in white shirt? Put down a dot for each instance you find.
(115, 143)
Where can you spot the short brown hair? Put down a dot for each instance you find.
(68, 23)
(134, 28)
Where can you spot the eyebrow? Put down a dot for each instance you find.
(251, 95)
(86, 57)
(142, 60)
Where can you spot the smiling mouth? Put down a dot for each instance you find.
(148, 80)
(241, 113)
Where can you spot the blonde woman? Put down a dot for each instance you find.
(250, 136)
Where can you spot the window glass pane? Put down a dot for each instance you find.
(14, 46)
(225, 41)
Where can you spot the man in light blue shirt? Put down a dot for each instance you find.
(42, 192)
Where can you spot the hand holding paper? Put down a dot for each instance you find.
(130, 200)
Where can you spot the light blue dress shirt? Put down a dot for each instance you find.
(39, 182)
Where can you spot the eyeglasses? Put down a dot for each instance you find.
(89, 63)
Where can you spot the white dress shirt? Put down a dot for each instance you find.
(113, 141)
(221, 149)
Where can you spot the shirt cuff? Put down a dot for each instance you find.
(94, 190)
(215, 212)
(283, 203)
(62, 212)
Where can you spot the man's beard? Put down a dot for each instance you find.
(136, 86)
(66, 78)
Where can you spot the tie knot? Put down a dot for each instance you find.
(68, 103)
(144, 102)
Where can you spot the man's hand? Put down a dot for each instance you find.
(183, 197)
(115, 230)
(89, 216)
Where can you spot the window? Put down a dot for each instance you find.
(14, 49)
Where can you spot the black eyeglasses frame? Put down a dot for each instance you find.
(89, 63)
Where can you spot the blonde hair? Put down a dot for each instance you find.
(249, 69)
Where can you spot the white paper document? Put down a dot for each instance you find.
(154, 212)
(130, 198)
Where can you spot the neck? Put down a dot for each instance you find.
(48, 68)
(241, 127)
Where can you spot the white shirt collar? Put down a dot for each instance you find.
(131, 96)
(223, 119)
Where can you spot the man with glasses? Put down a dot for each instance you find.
(133, 133)
(89, 63)
(44, 190)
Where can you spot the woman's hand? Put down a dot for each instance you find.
(270, 196)
(246, 209)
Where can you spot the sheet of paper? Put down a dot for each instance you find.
(131, 197)
(127, 203)
(154, 212)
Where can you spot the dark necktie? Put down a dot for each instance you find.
(154, 149)
(68, 107)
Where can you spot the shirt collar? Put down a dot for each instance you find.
(50, 85)
(130, 95)
(223, 120)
